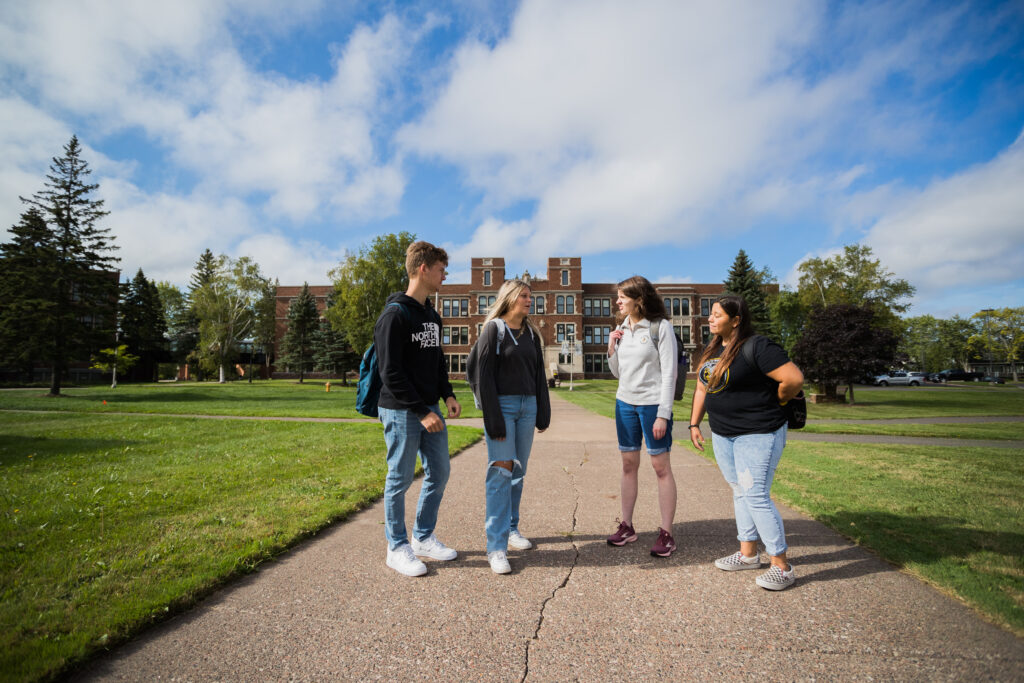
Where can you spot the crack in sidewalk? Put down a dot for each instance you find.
(568, 575)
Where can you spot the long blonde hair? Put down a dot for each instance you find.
(506, 298)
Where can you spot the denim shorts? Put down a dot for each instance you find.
(634, 424)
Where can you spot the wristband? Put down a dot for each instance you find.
(692, 426)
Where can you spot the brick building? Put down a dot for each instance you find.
(566, 309)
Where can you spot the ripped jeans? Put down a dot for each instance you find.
(748, 463)
(504, 488)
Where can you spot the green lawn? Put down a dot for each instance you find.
(872, 404)
(108, 523)
(952, 516)
(1004, 431)
(263, 398)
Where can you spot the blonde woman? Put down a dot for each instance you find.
(514, 399)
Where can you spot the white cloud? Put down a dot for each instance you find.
(674, 123)
(961, 231)
(290, 261)
(174, 71)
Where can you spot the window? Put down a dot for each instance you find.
(454, 335)
(705, 307)
(686, 307)
(595, 362)
(487, 278)
(565, 277)
(570, 305)
(455, 362)
(684, 333)
(483, 303)
(565, 332)
(537, 305)
(597, 307)
(454, 308)
(560, 304)
(705, 335)
(564, 359)
(596, 334)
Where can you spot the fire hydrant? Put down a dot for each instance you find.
(327, 387)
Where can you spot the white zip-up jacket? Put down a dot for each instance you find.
(647, 373)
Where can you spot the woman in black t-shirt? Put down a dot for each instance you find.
(748, 431)
(514, 399)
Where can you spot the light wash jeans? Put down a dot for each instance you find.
(504, 488)
(404, 436)
(748, 463)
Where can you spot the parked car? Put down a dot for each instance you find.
(994, 380)
(900, 378)
(960, 376)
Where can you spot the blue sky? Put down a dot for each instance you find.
(656, 138)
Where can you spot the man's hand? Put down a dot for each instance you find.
(432, 422)
(659, 428)
(454, 409)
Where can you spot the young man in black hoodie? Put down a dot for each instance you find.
(412, 368)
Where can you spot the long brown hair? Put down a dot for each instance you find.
(733, 305)
(648, 302)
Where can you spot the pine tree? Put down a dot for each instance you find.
(332, 353)
(749, 283)
(297, 343)
(85, 282)
(187, 341)
(28, 272)
(143, 325)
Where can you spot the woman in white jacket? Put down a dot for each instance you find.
(642, 354)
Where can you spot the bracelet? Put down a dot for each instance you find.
(692, 426)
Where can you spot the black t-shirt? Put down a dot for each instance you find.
(746, 401)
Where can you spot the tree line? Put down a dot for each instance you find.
(63, 304)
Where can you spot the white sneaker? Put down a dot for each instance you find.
(499, 563)
(433, 549)
(516, 540)
(403, 561)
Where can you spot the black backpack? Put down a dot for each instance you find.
(370, 383)
(796, 409)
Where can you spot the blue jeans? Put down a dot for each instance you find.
(404, 436)
(634, 424)
(748, 463)
(505, 489)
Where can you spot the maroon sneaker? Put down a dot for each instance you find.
(665, 544)
(623, 535)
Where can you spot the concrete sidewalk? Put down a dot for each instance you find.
(574, 608)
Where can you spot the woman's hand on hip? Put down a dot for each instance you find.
(660, 427)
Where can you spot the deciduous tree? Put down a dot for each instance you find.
(853, 277)
(1001, 335)
(225, 308)
(842, 342)
(363, 282)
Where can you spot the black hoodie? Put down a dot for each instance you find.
(410, 357)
